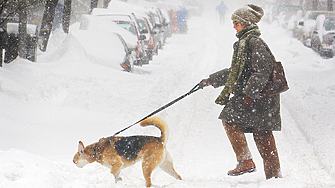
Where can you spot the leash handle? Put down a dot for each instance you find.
(194, 89)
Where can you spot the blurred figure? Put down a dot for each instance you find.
(222, 10)
(182, 16)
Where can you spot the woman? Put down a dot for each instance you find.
(246, 109)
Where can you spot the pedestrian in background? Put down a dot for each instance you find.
(245, 109)
(222, 10)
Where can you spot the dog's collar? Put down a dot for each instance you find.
(96, 152)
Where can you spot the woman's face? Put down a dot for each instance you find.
(237, 26)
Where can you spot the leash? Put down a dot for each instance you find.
(194, 89)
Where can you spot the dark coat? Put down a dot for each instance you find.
(264, 113)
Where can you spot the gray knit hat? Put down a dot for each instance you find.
(249, 14)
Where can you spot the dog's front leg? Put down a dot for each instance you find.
(116, 169)
(117, 176)
(115, 164)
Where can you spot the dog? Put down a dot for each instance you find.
(117, 153)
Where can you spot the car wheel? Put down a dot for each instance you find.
(160, 46)
(326, 54)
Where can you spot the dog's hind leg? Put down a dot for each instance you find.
(167, 166)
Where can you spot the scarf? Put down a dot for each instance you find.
(238, 62)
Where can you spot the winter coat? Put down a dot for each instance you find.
(263, 113)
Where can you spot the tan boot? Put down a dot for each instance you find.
(243, 167)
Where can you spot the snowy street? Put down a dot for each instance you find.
(48, 106)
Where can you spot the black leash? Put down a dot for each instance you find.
(194, 89)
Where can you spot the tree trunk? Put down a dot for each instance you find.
(48, 17)
(22, 28)
(66, 15)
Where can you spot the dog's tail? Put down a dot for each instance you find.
(160, 124)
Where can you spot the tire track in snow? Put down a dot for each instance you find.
(299, 138)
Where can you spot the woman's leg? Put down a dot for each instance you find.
(240, 146)
(266, 146)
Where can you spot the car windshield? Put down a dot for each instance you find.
(289, 8)
(313, 16)
(128, 26)
(330, 24)
(142, 25)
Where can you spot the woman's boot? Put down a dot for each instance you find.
(239, 143)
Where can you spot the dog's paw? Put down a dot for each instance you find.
(118, 179)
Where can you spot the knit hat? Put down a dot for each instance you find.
(247, 15)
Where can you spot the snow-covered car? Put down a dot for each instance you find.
(105, 48)
(149, 44)
(278, 11)
(104, 23)
(130, 23)
(305, 26)
(145, 27)
(284, 19)
(294, 21)
(323, 36)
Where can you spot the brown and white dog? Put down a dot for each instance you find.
(120, 152)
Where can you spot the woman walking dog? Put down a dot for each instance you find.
(245, 109)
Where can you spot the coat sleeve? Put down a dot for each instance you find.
(219, 78)
(261, 67)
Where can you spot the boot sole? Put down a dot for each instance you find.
(249, 170)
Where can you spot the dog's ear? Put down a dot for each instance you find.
(81, 147)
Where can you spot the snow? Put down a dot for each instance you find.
(64, 97)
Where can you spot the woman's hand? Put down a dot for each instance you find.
(247, 100)
(205, 82)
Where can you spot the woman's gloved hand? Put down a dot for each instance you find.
(247, 100)
(205, 82)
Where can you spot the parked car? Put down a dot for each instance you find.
(157, 27)
(287, 15)
(305, 26)
(165, 22)
(149, 44)
(105, 48)
(279, 10)
(130, 23)
(145, 28)
(323, 36)
(104, 24)
(294, 21)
